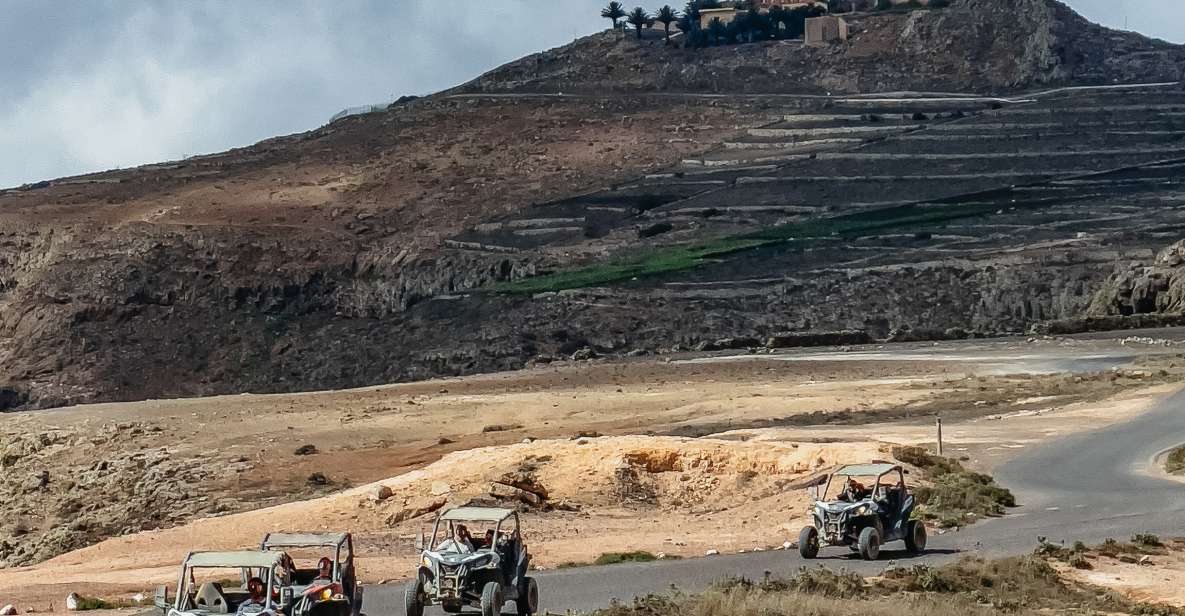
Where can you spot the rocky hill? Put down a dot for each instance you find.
(983, 46)
(461, 234)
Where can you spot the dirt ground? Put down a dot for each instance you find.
(1156, 577)
(608, 442)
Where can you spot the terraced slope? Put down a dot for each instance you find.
(947, 216)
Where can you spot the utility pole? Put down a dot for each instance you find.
(938, 424)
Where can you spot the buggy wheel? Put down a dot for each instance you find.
(528, 598)
(870, 543)
(491, 599)
(915, 537)
(413, 598)
(808, 542)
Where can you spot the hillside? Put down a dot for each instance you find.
(981, 46)
(462, 234)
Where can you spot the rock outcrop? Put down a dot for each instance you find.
(1145, 289)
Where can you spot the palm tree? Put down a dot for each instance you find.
(614, 11)
(639, 19)
(666, 16)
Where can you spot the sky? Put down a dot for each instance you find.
(89, 85)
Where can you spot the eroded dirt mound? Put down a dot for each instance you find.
(661, 494)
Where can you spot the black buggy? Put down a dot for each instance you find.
(863, 517)
(476, 557)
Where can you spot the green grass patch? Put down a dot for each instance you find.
(912, 218)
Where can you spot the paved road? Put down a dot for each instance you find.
(1086, 487)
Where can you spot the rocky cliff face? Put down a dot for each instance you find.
(987, 46)
(1145, 288)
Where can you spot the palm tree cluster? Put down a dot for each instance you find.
(749, 25)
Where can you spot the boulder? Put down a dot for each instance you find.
(415, 510)
(72, 601)
(305, 450)
(380, 493)
(503, 492)
(525, 481)
(8, 610)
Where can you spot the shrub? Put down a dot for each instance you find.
(822, 581)
(1079, 561)
(1147, 540)
(613, 558)
(656, 229)
(1175, 461)
(956, 491)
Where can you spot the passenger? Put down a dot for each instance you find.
(324, 571)
(256, 593)
(489, 540)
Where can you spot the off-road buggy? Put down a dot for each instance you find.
(339, 593)
(217, 583)
(475, 557)
(863, 517)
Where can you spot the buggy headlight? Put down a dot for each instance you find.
(861, 510)
(427, 562)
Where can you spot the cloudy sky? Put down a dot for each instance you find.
(88, 85)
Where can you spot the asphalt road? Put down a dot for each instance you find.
(1085, 487)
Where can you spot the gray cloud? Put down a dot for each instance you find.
(94, 85)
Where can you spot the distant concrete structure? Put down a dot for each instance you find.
(724, 14)
(826, 30)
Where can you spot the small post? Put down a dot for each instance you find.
(938, 424)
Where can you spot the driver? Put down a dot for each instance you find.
(461, 542)
(853, 491)
(255, 597)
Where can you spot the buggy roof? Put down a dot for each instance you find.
(233, 559)
(864, 470)
(303, 540)
(477, 514)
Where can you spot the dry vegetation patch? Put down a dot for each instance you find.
(1021, 585)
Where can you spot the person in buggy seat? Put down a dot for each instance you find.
(461, 542)
(324, 571)
(255, 600)
(853, 491)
